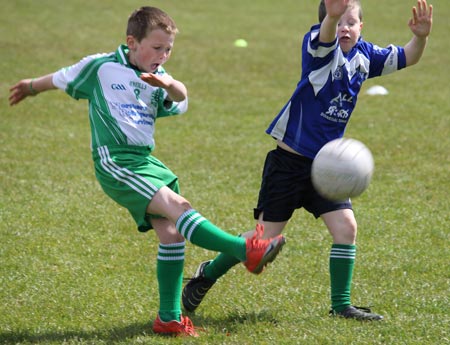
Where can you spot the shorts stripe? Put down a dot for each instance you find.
(134, 181)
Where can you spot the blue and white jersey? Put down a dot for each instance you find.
(321, 105)
(122, 108)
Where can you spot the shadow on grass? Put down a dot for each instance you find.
(232, 321)
(109, 335)
(228, 323)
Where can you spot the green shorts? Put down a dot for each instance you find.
(131, 176)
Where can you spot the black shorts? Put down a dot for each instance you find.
(286, 186)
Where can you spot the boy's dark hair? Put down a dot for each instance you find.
(323, 10)
(146, 19)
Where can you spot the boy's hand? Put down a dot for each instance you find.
(164, 81)
(20, 91)
(336, 8)
(422, 20)
(175, 89)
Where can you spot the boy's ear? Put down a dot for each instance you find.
(131, 42)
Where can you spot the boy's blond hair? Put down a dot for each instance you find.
(146, 19)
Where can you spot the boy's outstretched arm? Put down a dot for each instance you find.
(420, 25)
(328, 28)
(30, 87)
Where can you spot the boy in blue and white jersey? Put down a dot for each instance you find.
(335, 63)
(127, 91)
(325, 97)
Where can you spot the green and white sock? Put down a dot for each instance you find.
(342, 261)
(201, 232)
(220, 266)
(169, 272)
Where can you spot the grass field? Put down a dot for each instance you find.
(73, 269)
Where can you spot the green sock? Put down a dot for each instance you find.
(342, 261)
(220, 266)
(169, 272)
(201, 232)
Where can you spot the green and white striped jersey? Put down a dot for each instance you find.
(122, 108)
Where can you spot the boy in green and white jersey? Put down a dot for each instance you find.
(127, 91)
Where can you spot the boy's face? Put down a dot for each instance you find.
(349, 29)
(153, 51)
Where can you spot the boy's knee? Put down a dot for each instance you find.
(345, 232)
(185, 205)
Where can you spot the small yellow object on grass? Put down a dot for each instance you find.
(241, 43)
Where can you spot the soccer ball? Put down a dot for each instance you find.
(342, 169)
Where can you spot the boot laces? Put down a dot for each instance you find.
(257, 236)
(189, 327)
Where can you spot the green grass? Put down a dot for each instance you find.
(73, 269)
